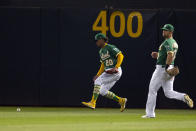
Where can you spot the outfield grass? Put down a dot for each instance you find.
(84, 119)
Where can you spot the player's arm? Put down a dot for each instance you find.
(120, 58)
(170, 55)
(169, 58)
(101, 69)
(154, 55)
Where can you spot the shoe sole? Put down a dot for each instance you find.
(124, 105)
(189, 101)
(88, 106)
(146, 117)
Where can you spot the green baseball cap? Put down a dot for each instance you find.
(100, 36)
(168, 27)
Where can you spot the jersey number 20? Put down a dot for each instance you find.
(109, 62)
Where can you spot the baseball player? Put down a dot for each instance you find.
(109, 73)
(165, 73)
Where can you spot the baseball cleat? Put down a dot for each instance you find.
(188, 101)
(122, 103)
(145, 116)
(89, 104)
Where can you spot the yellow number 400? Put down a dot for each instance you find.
(102, 17)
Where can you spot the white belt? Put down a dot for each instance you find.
(162, 67)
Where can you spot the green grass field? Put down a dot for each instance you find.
(84, 119)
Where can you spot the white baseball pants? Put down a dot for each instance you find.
(160, 78)
(107, 81)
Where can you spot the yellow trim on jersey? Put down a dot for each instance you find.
(118, 53)
(119, 59)
(101, 69)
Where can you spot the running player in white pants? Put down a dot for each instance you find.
(108, 74)
(160, 78)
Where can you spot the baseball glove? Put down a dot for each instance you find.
(112, 71)
(174, 71)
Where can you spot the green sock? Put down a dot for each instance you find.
(95, 93)
(112, 96)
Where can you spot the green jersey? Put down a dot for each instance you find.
(108, 55)
(169, 45)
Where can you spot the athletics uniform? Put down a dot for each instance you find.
(161, 78)
(108, 74)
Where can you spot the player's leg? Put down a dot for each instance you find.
(170, 93)
(97, 85)
(108, 82)
(155, 84)
(102, 85)
(104, 91)
(103, 79)
(168, 90)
